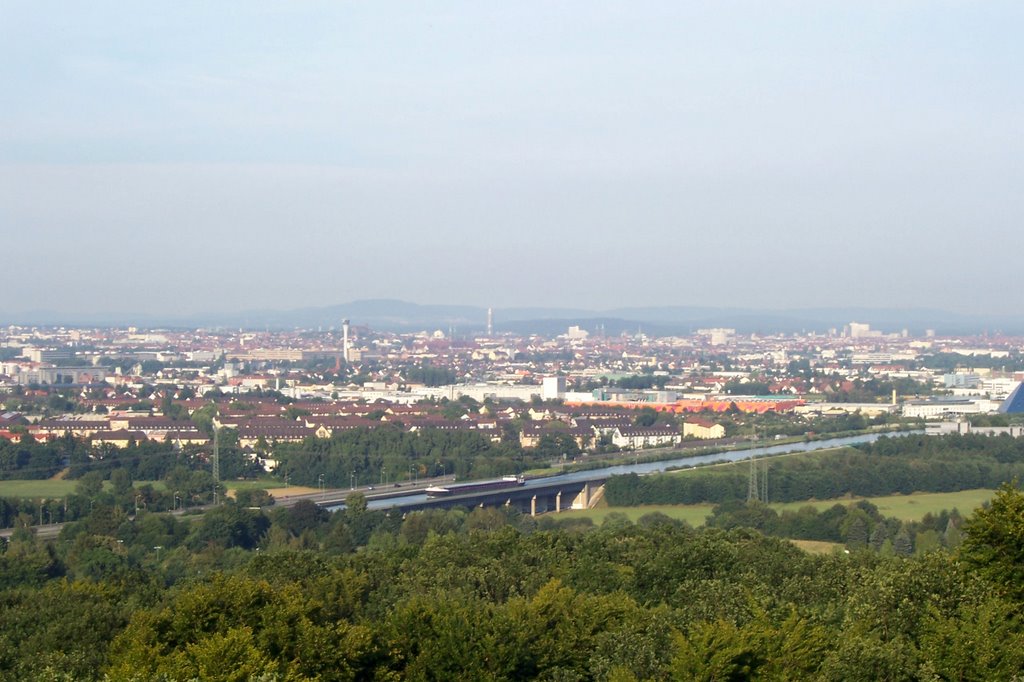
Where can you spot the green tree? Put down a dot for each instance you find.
(994, 542)
(980, 641)
(121, 481)
(355, 502)
(902, 544)
(203, 418)
(90, 485)
(253, 497)
(879, 534)
(856, 531)
(228, 526)
(716, 651)
(646, 416)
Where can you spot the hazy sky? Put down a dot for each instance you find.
(200, 156)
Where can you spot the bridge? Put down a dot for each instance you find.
(538, 496)
(553, 494)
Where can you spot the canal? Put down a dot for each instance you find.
(642, 468)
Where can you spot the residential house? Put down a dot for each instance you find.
(637, 437)
(702, 429)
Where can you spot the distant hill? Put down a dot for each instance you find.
(397, 315)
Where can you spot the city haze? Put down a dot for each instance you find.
(180, 159)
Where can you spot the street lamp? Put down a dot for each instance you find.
(320, 480)
(352, 480)
(177, 500)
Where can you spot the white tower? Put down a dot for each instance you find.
(344, 339)
(490, 322)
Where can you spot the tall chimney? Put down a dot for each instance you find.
(344, 339)
(490, 322)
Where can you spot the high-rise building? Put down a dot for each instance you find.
(859, 330)
(553, 388)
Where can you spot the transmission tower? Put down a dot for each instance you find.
(764, 482)
(753, 492)
(216, 465)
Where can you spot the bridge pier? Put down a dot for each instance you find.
(533, 506)
(583, 499)
(558, 501)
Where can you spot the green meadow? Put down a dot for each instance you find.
(904, 507)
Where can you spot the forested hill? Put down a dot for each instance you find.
(299, 594)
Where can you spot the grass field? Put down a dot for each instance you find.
(692, 514)
(909, 507)
(904, 507)
(817, 546)
(261, 484)
(56, 488)
(43, 488)
(59, 488)
(277, 493)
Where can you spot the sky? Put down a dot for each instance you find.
(192, 157)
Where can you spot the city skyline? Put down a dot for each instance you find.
(186, 159)
(405, 316)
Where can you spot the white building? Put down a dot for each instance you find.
(718, 336)
(637, 437)
(999, 388)
(939, 408)
(859, 330)
(553, 388)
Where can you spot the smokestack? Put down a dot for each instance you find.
(490, 322)
(344, 339)
(894, 396)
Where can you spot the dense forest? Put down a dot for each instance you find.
(368, 456)
(300, 594)
(246, 592)
(903, 464)
(365, 455)
(858, 526)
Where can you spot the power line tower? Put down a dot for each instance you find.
(764, 482)
(753, 491)
(216, 465)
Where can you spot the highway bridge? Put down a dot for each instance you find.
(536, 496)
(539, 495)
(556, 493)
